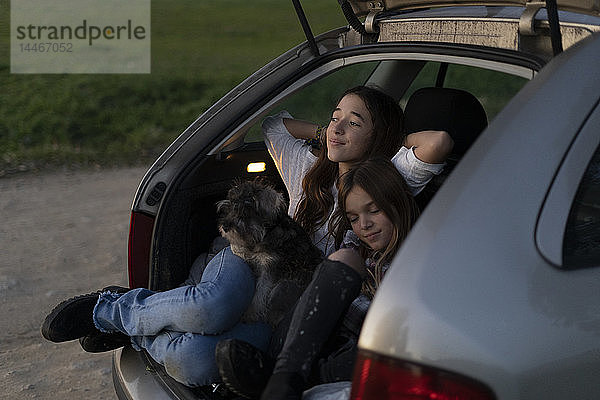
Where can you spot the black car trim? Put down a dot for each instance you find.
(549, 196)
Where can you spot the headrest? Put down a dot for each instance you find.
(452, 110)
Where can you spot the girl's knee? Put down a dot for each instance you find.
(351, 258)
(192, 370)
(190, 360)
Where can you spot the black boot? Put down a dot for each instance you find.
(243, 368)
(98, 342)
(318, 311)
(73, 318)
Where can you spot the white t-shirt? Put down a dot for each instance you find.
(293, 159)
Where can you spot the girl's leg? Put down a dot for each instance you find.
(190, 357)
(318, 311)
(210, 307)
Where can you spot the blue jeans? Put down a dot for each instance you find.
(180, 328)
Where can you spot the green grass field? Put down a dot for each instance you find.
(200, 50)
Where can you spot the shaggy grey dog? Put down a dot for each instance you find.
(282, 257)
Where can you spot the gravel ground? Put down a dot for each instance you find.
(62, 234)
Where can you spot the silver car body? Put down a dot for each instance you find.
(477, 288)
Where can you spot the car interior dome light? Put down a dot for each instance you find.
(256, 167)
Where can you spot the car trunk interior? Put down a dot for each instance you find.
(188, 224)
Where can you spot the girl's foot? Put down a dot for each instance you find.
(73, 318)
(244, 369)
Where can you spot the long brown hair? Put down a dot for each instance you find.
(389, 191)
(388, 127)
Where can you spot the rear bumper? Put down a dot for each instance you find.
(135, 378)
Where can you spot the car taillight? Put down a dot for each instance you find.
(140, 242)
(381, 378)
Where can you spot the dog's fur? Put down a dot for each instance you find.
(282, 257)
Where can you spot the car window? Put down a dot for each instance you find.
(581, 247)
(316, 101)
(493, 89)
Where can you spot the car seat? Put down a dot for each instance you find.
(452, 110)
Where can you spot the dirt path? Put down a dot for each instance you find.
(62, 234)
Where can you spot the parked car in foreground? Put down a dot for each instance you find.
(494, 295)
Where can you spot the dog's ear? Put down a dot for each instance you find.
(274, 197)
(275, 200)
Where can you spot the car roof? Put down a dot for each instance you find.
(363, 7)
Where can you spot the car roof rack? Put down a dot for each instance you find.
(526, 24)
